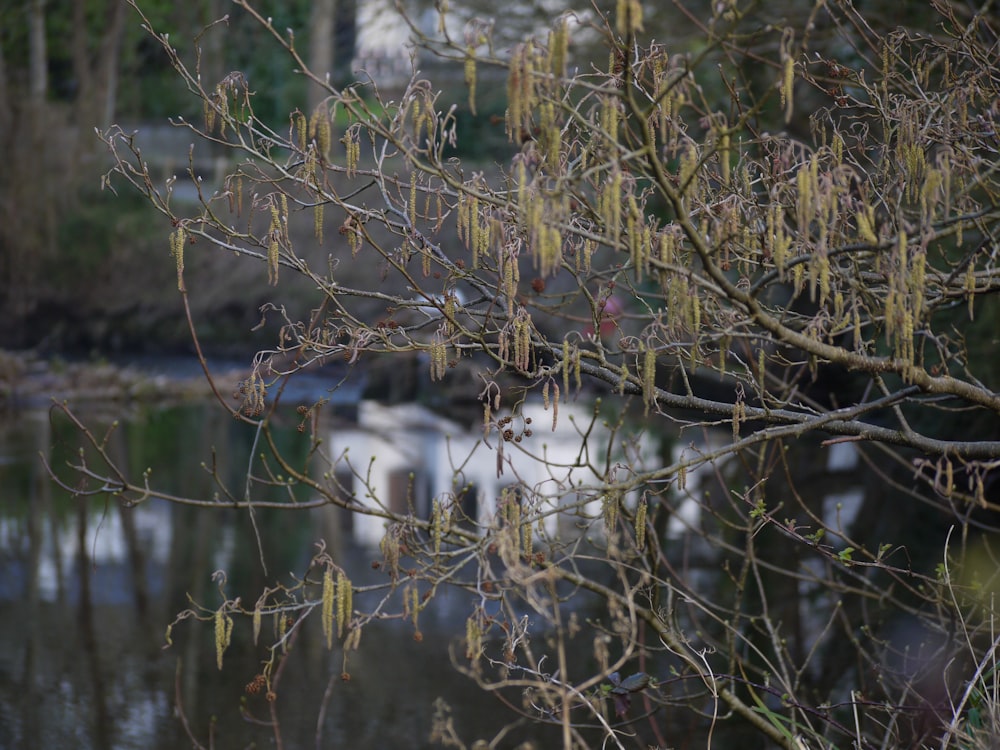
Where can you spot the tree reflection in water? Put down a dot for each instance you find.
(86, 591)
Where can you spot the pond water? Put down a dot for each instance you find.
(87, 589)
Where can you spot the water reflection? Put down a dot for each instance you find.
(86, 590)
(422, 455)
(87, 587)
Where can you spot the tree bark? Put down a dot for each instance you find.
(96, 69)
(109, 62)
(6, 106)
(321, 46)
(38, 75)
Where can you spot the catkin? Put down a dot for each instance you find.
(223, 633)
(559, 47)
(473, 639)
(327, 607)
(257, 614)
(628, 17)
(274, 234)
(787, 84)
(439, 357)
(412, 202)
(610, 506)
(470, 76)
(567, 358)
(282, 628)
(177, 240)
(345, 605)
(438, 521)
(649, 376)
(640, 523)
(300, 127)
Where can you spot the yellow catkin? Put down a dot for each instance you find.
(282, 628)
(929, 193)
(470, 76)
(610, 506)
(437, 524)
(319, 129)
(483, 239)
(634, 238)
(327, 607)
(324, 134)
(223, 633)
(628, 17)
(865, 219)
(550, 137)
(688, 174)
(274, 233)
(804, 204)
(612, 213)
(473, 227)
(970, 287)
(514, 105)
(609, 120)
(890, 313)
(522, 341)
(787, 85)
(473, 639)
(567, 358)
(649, 376)
(177, 240)
(585, 255)
(221, 100)
(666, 247)
(559, 47)
(412, 202)
(577, 367)
(917, 278)
(352, 150)
(257, 614)
(462, 218)
(318, 222)
(301, 130)
(724, 157)
(209, 110)
(450, 307)
(510, 281)
(413, 604)
(640, 523)
(345, 602)
(824, 277)
(438, 356)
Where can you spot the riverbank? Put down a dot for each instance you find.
(28, 380)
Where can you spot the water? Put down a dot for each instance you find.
(87, 588)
